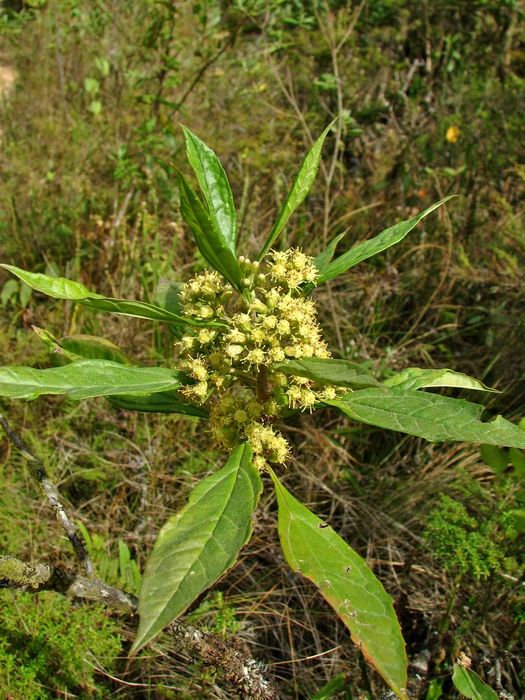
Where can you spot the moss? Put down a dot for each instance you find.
(49, 645)
(461, 541)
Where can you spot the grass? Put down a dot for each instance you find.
(93, 194)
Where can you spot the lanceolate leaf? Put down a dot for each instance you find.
(86, 378)
(92, 347)
(322, 260)
(314, 550)
(212, 246)
(215, 188)
(62, 288)
(299, 190)
(416, 378)
(196, 546)
(156, 403)
(167, 295)
(430, 416)
(328, 371)
(367, 249)
(77, 347)
(56, 287)
(140, 309)
(471, 686)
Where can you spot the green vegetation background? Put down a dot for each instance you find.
(431, 100)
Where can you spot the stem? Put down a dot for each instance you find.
(39, 474)
(444, 622)
(262, 384)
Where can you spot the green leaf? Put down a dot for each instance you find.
(92, 347)
(471, 686)
(496, 458)
(57, 354)
(62, 288)
(367, 249)
(212, 245)
(325, 256)
(301, 186)
(518, 461)
(328, 371)
(139, 309)
(89, 347)
(330, 689)
(10, 289)
(314, 550)
(215, 188)
(519, 519)
(167, 295)
(162, 402)
(416, 378)
(86, 378)
(25, 295)
(56, 287)
(196, 546)
(430, 416)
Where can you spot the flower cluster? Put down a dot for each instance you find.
(232, 360)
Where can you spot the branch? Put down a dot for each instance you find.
(36, 577)
(238, 669)
(39, 474)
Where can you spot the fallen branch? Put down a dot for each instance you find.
(245, 674)
(39, 474)
(34, 577)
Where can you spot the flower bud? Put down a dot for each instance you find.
(205, 311)
(258, 307)
(225, 296)
(234, 350)
(240, 416)
(235, 336)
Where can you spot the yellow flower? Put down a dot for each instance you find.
(452, 134)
